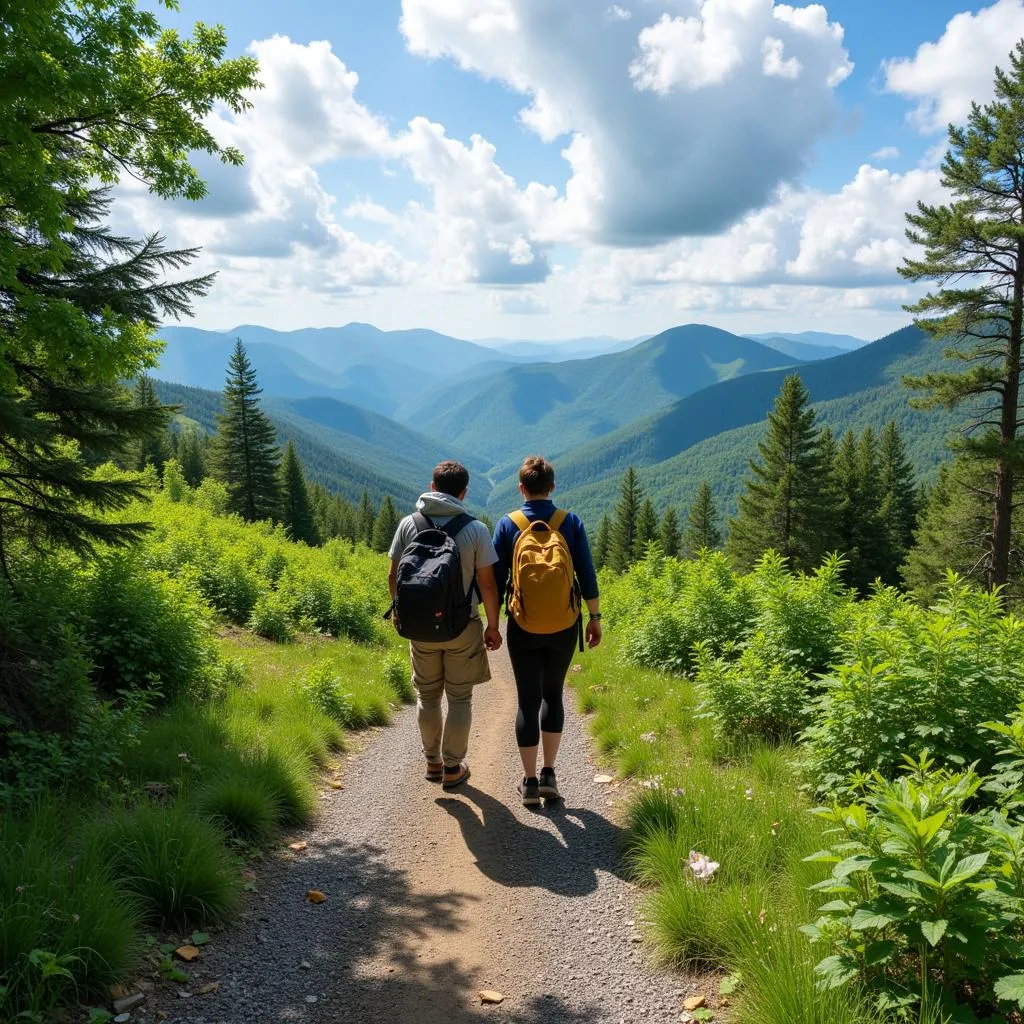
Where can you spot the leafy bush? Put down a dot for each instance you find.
(928, 897)
(910, 679)
(270, 619)
(64, 904)
(174, 863)
(323, 689)
(399, 677)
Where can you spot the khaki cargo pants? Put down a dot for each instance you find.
(450, 668)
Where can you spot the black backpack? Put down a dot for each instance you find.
(431, 604)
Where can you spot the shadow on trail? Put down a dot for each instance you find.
(515, 854)
(358, 953)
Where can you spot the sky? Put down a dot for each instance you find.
(541, 169)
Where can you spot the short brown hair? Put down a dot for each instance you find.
(450, 477)
(537, 475)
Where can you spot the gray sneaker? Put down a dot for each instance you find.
(529, 792)
(548, 785)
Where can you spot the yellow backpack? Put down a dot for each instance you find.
(543, 596)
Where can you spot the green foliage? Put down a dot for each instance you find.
(785, 506)
(270, 619)
(296, 508)
(59, 900)
(927, 897)
(174, 864)
(646, 526)
(965, 244)
(153, 449)
(603, 543)
(669, 538)
(399, 677)
(192, 456)
(324, 690)
(174, 482)
(385, 526)
(909, 680)
(235, 802)
(365, 520)
(244, 449)
(624, 547)
(702, 532)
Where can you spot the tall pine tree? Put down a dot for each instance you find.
(974, 247)
(385, 525)
(623, 547)
(245, 452)
(646, 527)
(296, 507)
(154, 449)
(366, 518)
(702, 532)
(603, 542)
(668, 533)
(785, 502)
(192, 457)
(897, 511)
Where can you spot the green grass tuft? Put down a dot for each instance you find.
(236, 802)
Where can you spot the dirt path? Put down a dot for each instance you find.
(434, 896)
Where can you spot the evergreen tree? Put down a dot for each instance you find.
(385, 526)
(296, 507)
(603, 542)
(702, 532)
(245, 452)
(366, 518)
(192, 457)
(975, 244)
(668, 533)
(897, 511)
(646, 527)
(858, 533)
(154, 449)
(785, 502)
(622, 551)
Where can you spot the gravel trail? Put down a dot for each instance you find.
(433, 896)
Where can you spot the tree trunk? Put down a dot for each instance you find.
(999, 569)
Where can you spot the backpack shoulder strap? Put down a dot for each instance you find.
(454, 526)
(519, 518)
(555, 522)
(422, 522)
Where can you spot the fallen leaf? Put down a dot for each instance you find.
(297, 847)
(693, 1003)
(489, 996)
(187, 953)
(603, 779)
(118, 991)
(316, 896)
(209, 987)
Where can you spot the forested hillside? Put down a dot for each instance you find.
(553, 407)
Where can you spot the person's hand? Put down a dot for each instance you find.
(593, 633)
(492, 638)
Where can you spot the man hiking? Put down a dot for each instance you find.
(442, 566)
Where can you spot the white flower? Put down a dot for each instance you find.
(702, 866)
(749, 793)
(654, 783)
(649, 737)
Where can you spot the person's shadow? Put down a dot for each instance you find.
(515, 854)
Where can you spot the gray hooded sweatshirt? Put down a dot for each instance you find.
(473, 540)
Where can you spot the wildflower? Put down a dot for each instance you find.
(183, 757)
(749, 793)
(654, 783)
(761, 917)
(702, 866)
(576, 668)
(649, 737)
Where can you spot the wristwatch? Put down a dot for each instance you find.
(595, 616)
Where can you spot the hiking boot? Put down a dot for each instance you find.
(548, 785)
(530, 792)
(455, 776)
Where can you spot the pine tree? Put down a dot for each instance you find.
(245, 452)
(192, 457)
(702, 532)
(366, 518)
(975, 244)
(296, 507)
(646, 527)
(859, 536)
(623, 547)
(385, 526)
(603, 542)
(898, 508)
(668, 533)
(153, 450)
(785, 502)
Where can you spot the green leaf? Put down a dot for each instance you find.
(836, 971)
(702, 1013)
(1011, 989)
(836, 907)
(728, 985)
(200, 938)
(920, 876)
(933, 931)
(879, 952)
(167, 948)
(967, 868)
(864, 919)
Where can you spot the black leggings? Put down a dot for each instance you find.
(540, 662)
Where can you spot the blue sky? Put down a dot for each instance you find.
(525, 169)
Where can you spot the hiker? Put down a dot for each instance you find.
(544, 570)
(442, 566)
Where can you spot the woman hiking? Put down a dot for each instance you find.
(546, 573)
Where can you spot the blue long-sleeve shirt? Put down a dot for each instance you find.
(572, 529)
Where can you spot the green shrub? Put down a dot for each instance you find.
(62, 901)
(284, 775)
(175, 864)
(927, 896)
(271, 619)
(910, 680)
(398, 676)
(324, 691)
(145, 630)
(236, 803)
